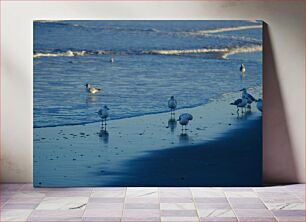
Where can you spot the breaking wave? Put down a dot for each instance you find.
(229, 29)
(220, 52)
(69, 53)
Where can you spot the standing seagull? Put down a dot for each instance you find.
(112, 60)
(172, 104)
(184, 119)
(248, 97)
(239, 103)
(103, 113)
(242, 70)
(92, 90)
(259, 105)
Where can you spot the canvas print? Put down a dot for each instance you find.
(147, 103)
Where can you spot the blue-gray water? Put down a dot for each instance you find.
(195, 61)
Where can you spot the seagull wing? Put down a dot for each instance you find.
(251, 97)
(238, 101)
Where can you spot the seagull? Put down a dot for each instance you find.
(172, 104)
(103, 113)
(248, 97)
(259, 105)
(92, 90)
(112, 60)
(242, 68)
(187, 115)
(184, 119)
(240, 103)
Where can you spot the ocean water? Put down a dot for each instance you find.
(195, 61)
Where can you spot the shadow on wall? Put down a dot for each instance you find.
(278, 161)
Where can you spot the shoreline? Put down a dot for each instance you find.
(255, 88)
(83, 155)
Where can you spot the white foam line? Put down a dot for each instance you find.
(227, 29)
(186, 51)
(242, 50)
(224, 51)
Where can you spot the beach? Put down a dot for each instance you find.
(135, 67)
(218, 149)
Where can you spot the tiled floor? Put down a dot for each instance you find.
(21, 202)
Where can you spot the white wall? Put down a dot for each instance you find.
(284, 79)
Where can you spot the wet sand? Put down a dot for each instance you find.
(234, 159)
(219, 148)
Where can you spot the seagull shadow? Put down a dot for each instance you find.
(172, 123)
(184, 138)
(90, 99)
(104, 135)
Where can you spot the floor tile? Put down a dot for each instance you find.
(218, 219)
(291, 219)
(176, 200)
(175, 193)
(207, 192)
(91, 205)
(57, 213)
(279, 189)
(141, 206)
(213, 206)
(210, 200)
(254, 219)
(25, 200)
(274, 197)
(244, 200)
(216, 213)
(62, 203)
(105, 200)
(20, 206)
(177, 206)
(102, 219)
(109, 193)
(26, 195)
(253, 213)
(111, 189)
(142, 200)
(289, 213)
(179, 219)
(237, 189)
(178, 213)
(149, 192)
(285, 206)
(14, 214)
(55, 219)
(103, 212)
(240, 194)
(20, 202)
(141, 213)
(248, 206)
(140, 219)
(84, 193)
